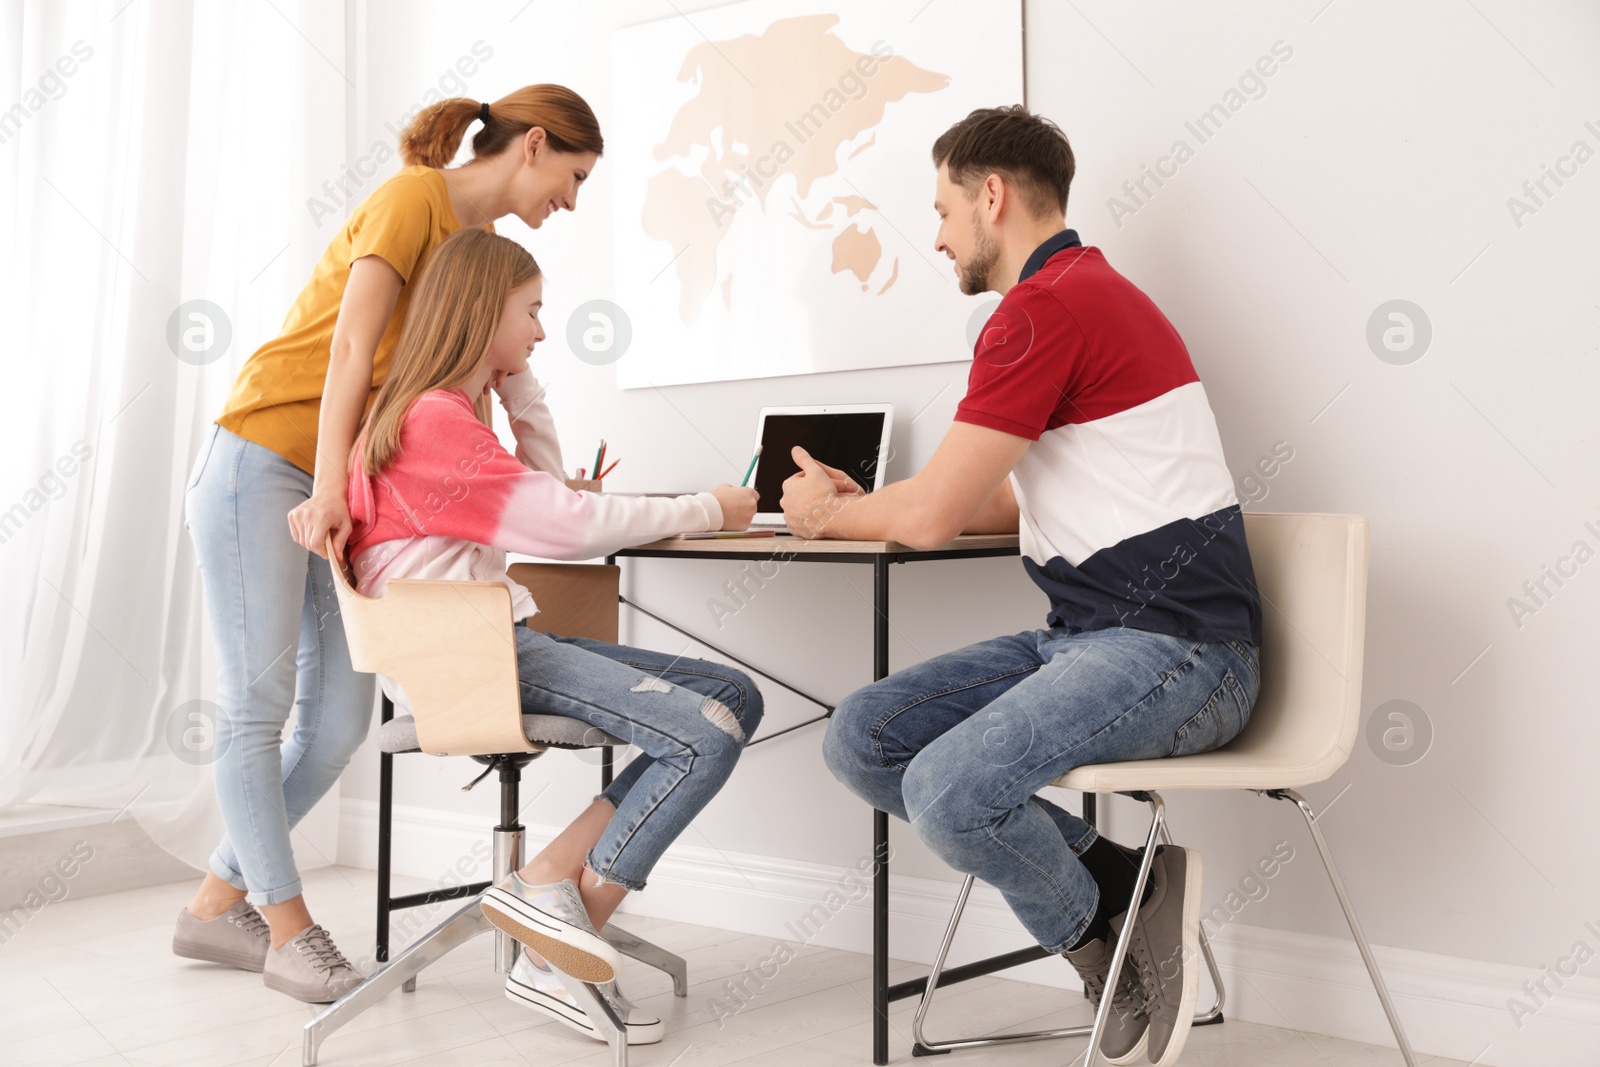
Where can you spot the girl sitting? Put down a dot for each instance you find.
(434, 494)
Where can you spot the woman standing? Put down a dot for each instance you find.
(281, 448)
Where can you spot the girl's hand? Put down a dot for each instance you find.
(497, 379)
(323, 513)
(738, 505)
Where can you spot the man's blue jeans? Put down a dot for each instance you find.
(959, 745)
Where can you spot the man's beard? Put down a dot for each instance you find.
(975, 272)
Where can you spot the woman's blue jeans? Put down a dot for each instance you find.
(280, 645)
(959, 745)
(690, 718)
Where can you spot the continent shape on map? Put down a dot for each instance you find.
(815, 94)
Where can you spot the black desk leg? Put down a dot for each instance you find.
(880, 834)
(605, 753)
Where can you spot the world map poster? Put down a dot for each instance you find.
(774, 184)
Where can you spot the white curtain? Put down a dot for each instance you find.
(162, 152)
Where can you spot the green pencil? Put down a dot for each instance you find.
(750, 469)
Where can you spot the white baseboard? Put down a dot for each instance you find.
(1450, 1006)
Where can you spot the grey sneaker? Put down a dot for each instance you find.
(1165, 949)
(310, 967)
(238, 937)
(1127, 1027)
(551, 920)
(540, 988)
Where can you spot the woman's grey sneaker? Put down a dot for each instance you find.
(1127, 1027)
(238, 937)
(540, 988)
(1165, 949)
(551, 920)
(310, 967)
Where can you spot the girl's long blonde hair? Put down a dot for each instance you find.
(449, 326)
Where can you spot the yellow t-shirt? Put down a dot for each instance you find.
(278, 394)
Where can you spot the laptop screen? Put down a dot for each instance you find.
(848, 441)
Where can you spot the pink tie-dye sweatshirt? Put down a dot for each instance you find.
(452, 501)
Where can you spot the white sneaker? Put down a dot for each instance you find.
(540, 988)
(551, 920)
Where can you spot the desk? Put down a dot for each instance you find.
(880, 554)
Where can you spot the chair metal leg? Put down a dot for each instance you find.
(601, 1014)
(467, 923)
(923, 1047)
(1350, 917)
(507, 858)
(1214, 1014)
(650, 955)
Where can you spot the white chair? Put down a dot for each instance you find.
(1311, 570)
(451, 645)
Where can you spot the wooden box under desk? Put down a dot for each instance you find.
(574, 599)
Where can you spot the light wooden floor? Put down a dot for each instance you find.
(93, 982)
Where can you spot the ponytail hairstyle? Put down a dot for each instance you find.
(433, 137)
(449, 327)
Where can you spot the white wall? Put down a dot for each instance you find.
(1377, 165)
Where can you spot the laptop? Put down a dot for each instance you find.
(853, 438)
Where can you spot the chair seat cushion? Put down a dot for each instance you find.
(399, 734)
(1244, 763)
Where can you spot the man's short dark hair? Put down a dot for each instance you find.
(1027, 150)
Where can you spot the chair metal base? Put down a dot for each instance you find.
(1158, 829)
(467, 922)
(463, 925)
(650, 955)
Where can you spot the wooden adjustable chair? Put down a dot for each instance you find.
(1311, 570)
(450, 644)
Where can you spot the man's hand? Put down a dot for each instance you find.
(813, 495)
(960, 489)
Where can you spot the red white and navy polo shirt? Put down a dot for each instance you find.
(1128, 512)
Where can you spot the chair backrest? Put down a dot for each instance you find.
(1311, 570)
(450, 644)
